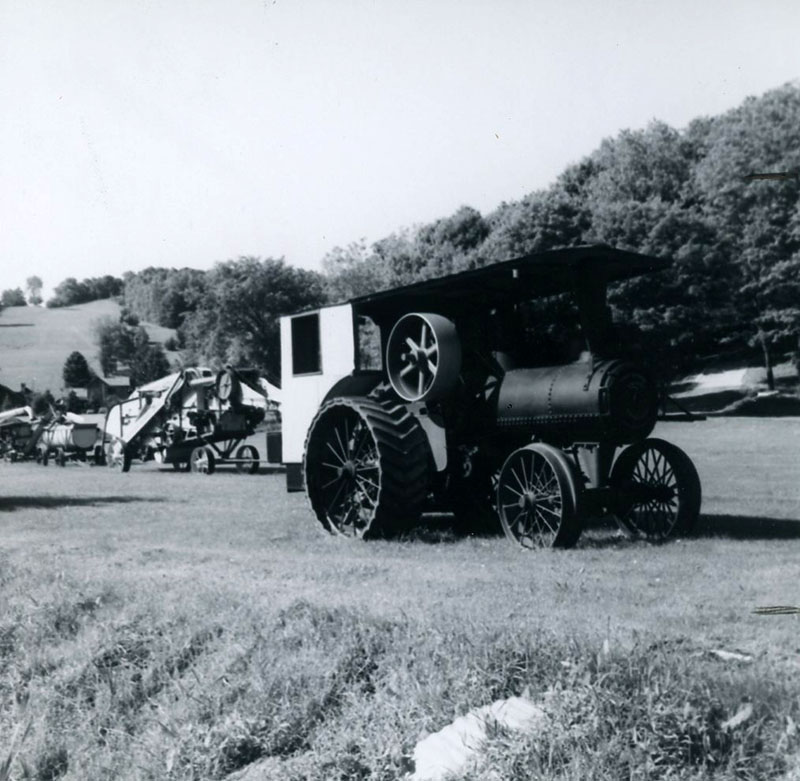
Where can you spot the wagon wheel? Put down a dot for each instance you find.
(657, 490)
(202, 461)
(118, 456)
(250, 460)
(537, 498)
(423, 357)
(366, 467)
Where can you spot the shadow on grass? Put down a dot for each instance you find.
(16, 325)
(441, 528)
(747, 527)
(437, 529)
(8, 503)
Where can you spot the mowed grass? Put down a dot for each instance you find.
(169, 626)
(36, 341)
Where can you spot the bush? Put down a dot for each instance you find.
(76, 372)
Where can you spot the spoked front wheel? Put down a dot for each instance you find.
(537, 498)
(657, 490)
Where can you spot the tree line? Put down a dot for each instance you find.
(733, 288)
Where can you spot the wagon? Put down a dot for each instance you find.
(66, 440)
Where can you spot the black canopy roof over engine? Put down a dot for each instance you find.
(586, 270)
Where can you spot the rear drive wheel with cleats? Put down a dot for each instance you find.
(366, 467)
(657, 490)
(537, 498)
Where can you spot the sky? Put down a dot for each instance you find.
(176, 133)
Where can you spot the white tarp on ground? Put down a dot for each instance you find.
(446, 753)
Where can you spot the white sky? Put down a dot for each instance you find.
(182, 132)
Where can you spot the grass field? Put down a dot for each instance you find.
(168, 626)
(35, 342)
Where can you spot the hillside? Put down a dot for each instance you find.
(35, 341)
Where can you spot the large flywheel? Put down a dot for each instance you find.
(423, 357)
(366, 467)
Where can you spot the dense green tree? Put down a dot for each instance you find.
(353, 271)
(115, 343)
(164, 296)
(34, 287)
(76, 372)
(71, 292)
(237, 320)
(148, 363)
(13, 297)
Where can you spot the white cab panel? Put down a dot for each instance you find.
(317, 350)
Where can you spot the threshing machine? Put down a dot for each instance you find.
(16, 429)
(193, 419)
(464, 405)
(65, 436)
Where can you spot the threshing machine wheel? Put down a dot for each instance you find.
(423, 357)
(366, 467)
(202, 461)
(228, 387)
(657, 490)
(118, 456)
(249, 462)
(537, 498)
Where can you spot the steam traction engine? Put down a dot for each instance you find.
(468, 412)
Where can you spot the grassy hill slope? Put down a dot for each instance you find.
(35, 342)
